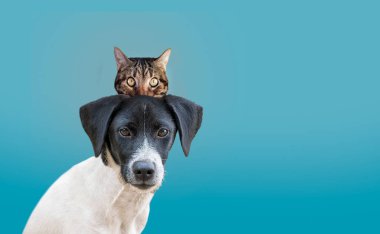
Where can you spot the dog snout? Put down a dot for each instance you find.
(143, 171)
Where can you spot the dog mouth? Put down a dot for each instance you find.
(143, 186)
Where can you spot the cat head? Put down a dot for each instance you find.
(141, 76)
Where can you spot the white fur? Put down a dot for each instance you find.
(93, 198)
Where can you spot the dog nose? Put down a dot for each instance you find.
(143, 170)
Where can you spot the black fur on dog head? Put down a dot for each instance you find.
(143, 117)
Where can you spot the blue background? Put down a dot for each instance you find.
(291, 131)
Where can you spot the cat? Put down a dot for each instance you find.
(141, 76)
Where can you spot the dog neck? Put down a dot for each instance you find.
(126, 206)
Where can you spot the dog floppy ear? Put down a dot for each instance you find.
(188, 118)
(95, 117)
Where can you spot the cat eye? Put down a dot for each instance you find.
(162, 132)
(125, 132)
(153, 82)
(131, 82)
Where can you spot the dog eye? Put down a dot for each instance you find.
(162, 132)
(153, 82)
(125, 132)
(131, 82)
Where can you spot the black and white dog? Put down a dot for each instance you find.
(112, 193)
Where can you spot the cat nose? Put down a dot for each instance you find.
(142, 91)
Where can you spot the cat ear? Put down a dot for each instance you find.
(164, 58)
(121, 59)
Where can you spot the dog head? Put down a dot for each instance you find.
(138, 133)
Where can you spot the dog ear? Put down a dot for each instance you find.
(95, 117)
(188, 118)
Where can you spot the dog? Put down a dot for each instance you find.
(112, 193)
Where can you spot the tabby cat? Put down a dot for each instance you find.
(141, 76)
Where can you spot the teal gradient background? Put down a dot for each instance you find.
(290, 141)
